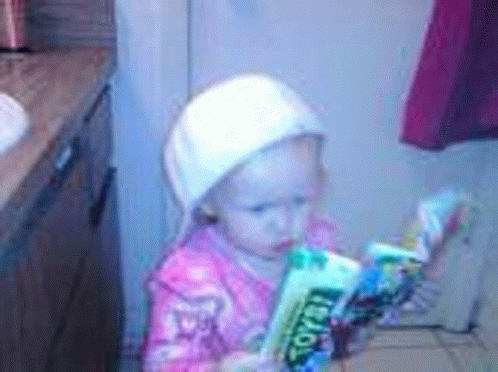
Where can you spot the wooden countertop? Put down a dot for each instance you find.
(56, 87)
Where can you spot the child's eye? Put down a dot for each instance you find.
(258, 208)
(263, 207)
(300, 200)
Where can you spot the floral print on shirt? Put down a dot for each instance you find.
(204, 305)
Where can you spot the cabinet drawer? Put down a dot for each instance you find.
(44, 264)
(99, 141)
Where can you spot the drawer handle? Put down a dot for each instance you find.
(63, 158)
(65, 161)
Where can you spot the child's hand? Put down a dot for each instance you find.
(247, 362)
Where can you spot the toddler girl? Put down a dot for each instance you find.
(245, 162)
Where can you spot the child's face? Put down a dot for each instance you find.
(270, 199)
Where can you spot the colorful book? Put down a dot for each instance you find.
(319, 285)
(316, 283)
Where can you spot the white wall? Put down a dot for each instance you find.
(488, 316)
(151, 82)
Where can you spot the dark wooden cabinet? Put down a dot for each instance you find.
(89, 332)
(60, 289)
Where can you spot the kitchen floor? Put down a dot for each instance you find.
(407, 350)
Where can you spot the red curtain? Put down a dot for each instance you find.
(454, 96)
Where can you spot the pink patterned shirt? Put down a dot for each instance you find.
(204, 304)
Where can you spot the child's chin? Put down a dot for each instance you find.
(277, 257)
(270, 255)
(278, 254)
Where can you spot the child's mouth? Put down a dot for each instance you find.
(284, 246)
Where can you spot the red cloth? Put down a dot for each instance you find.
(454, 96)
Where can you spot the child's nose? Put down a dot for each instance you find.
(287, 221)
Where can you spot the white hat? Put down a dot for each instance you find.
(225, 126)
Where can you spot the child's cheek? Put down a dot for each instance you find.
(309, 212)
(313, 205)
(231, 191)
